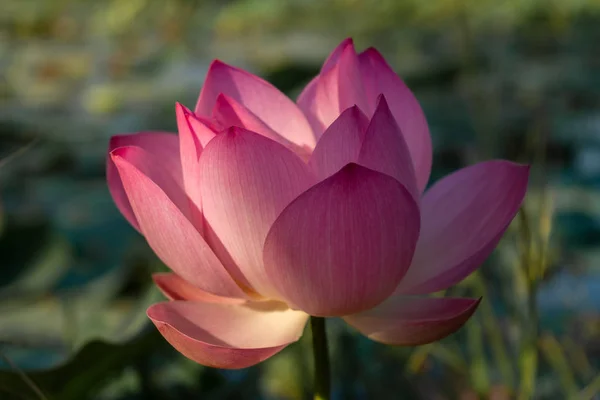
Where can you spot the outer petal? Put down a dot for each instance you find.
(176, 288)
(464, 216)
(171, 235)
(378, 79)
(385, 150)
(227, 336)
(247, 180)
(162, 144)
(340, 143)
(343, 245)
(412, 321)
(260, 97)
(151, 166)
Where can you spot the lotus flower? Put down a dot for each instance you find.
(268, 211)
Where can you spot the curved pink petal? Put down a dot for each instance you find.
(337, 87)
(204, 128)
(316, 106)
(385, 150)
(340, 143)
(412, 321)
(343, 245)
(225, 335)
(171, 235)
(379, 78)
(176, 288)
(163, 145)
(247, 180)
(464, 216)
(152, 167)
(228, 113)
(190, 149)
(198, 131)
(333, 58)
(349, 81)
(260, 97)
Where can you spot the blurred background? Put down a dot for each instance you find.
(517, 79)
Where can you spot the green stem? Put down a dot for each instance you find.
(529, 346)
(321, 357)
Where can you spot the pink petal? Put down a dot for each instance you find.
(315, 104)
(343, 245)
(378, 79)
(464, 216)
(176, 288)
(337, 87)
(204, 128)
(412, 321)
(335, 55)
(225, 335)
(228, 113)
(349, 81)
(385, 150)
(340, 143)
(171, 235)
(150, 165)
(199, 130)
(247, 180)
(162, 144)
(190, 150)
(260, 97)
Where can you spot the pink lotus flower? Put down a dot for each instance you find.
(269, 211)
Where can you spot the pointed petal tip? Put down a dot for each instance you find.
(119, 152)
(114, 154)
(216, 63)
(371, 52)
(124, 139)
(348, 45)
(180, 108)
(122, 153)
(382, 106)
(355, 110)
(382, 101)
(222, 98)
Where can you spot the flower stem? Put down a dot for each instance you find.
(321, 357)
